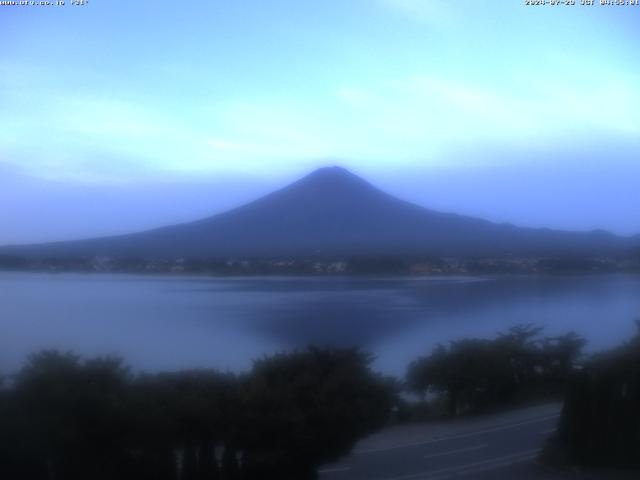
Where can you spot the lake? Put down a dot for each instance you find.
(175, 322)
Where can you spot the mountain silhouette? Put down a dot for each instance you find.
(331, 211)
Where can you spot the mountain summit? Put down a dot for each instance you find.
(331, 211)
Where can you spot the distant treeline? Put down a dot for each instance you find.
(352, 265)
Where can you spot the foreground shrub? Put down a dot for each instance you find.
(312, 406)
(600, 423)
(68, 418)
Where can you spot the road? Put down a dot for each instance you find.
(500, 446)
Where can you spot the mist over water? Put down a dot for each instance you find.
(177, 322)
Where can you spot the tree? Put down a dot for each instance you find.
(559, 356)
(600, 422)
(480, 374)
(70, 416)
(307, 408)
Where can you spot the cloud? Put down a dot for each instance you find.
(425, 110)
(73, 132)
(420, 112)
(419, 117)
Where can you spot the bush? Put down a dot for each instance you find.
(312, 406)
(600, 422)
(478, 374)
(69, 418)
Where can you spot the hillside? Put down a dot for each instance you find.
(333, 212)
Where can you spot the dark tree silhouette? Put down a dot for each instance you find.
(65, 418)
(306, 408)
(600, 422)
(479, 374)
(69, 418)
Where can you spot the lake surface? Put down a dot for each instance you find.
(173, 322)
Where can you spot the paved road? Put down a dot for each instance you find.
(494, 447)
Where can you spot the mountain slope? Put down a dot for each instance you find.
(333, 212)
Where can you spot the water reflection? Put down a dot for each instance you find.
(177, 322)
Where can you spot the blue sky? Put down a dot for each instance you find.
(491, 108)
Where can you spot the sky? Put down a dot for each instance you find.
(123, 115)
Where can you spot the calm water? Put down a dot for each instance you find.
(168, 322)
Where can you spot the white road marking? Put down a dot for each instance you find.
(456, 437)
(469, 468)
(495, 463)
(459, 450)
(334, 470)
